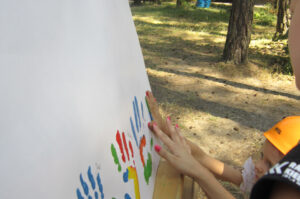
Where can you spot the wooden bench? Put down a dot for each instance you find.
(170, 184)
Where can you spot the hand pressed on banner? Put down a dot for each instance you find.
(179, 154)
(154, 110)
(180, 157)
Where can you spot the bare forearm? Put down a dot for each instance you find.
(210, 185)
(218, 168)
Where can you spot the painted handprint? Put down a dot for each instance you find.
(94, 191)
(124, 157)
(142, 127)
(127, 156)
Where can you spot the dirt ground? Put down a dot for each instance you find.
(223, 111)
(222, 107)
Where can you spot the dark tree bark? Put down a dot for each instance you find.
(275, 3)
(178, 3)
(157, 1)
(283, 18)
(239, 31)
(137, 2)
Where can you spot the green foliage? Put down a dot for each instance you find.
(160, 29)
(264, 16)
(187, 14)
(283, 64)
(287, 67)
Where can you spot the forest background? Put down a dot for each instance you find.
(222, 73)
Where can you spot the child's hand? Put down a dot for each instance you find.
(153, 107)
(180, 157)
(196, 151)
(179, 154)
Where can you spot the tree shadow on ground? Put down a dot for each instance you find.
(172, 44)
(262, 122)
(192, 53)
(231, 83)
(282, 62)
(165, 45)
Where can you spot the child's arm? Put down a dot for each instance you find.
(218, 168)
(180, 157)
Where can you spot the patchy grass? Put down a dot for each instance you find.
(265, 15)
(167, 31)
(222, 107)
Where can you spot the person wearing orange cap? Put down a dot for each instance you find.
(282, 181)
(283, 136)
(189, 159)
(194, 162)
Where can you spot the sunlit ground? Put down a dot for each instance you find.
(196, 27)
(222, 107)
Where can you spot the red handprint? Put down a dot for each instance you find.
(130, 172)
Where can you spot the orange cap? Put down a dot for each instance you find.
(285, 134)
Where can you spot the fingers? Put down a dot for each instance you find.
(181, 138)
(164, 153)
(173, 133)
(153, 106)
(154, 109)
(151, 101)
(150, 96)
(163, 137)
(150, 126)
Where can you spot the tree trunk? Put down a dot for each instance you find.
(158, 2)
(283, 18)
(275, 3)
(137, 2)
(239, 31)
(178, 3)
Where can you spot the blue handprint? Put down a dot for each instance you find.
(126, 196)
(140, 126)
(93, 183)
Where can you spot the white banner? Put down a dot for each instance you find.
(73, 116)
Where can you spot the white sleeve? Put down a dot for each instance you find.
(248, 174)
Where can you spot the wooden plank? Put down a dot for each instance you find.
(169, 182)
(196, 190)
(188, 188)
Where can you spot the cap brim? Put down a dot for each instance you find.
(276, 141)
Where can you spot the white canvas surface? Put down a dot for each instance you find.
(71, 76)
